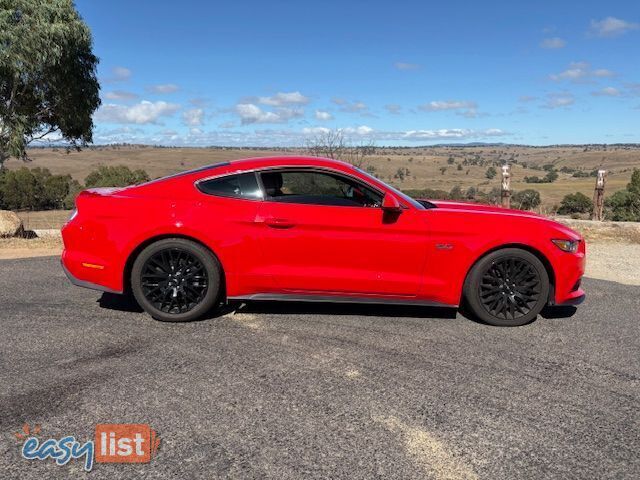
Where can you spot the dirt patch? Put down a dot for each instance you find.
(34, 247)
(614, 261)
(598, 232)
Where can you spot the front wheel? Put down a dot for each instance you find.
(508, 287)
(176, 280)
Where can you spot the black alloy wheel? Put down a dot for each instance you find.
(176, 280)
(508, 287)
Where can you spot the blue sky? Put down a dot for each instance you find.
(398, 73)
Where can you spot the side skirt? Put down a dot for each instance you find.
(284, 297)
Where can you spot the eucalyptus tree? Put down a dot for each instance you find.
(48, 83)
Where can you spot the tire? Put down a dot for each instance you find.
(176, 280)
(506, 288)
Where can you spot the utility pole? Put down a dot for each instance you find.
(505, 191)
(598, 196)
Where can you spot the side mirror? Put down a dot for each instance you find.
(391, 204)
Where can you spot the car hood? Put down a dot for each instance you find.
(506, 213)
(479, 207)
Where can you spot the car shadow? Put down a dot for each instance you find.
(558, 312)
(336, 308)
(119, 302)
(126, 303)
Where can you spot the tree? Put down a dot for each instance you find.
(525, 199)
(48, 83)
(624, 205)
(334, 144)
(575, 203)
(116, 176)
(35, 189)
(550, 177)
(490, 173)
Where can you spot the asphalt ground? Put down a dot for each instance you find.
(321, 391)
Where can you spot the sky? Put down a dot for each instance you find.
(278, 73)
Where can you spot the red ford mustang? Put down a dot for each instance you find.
(292, 228)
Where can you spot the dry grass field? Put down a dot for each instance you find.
(422, 166)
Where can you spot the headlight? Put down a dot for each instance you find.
(570, 246)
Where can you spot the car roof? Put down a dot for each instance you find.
(286, 160)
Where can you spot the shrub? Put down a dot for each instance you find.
(428, 193)
(624, 205)
(116, 176)
(575, 203)
(551, 176)
(35, 189)
(490, 173)
(525, 199)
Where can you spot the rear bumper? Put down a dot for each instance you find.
(83, 283)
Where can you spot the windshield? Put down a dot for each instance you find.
(403, 196)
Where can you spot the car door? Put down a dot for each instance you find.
(325, 232)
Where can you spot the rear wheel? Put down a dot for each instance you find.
(508, 287)
(176, 280)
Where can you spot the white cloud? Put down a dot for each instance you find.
(558, 100)
(120, 95)
(339, 101)
(315, 130)
(354, 107)
(140, 113)
(393, 108)
(607, 92)
(580, 72)
(453, 133)
(323, 115)
(406, 66)
(193, 117)
(250, 113)
(281, 99)
(361, 130)
(612, 27)
(288, 137)
(527, 98)
(163, 88)
(440, 105)
(553, 43)
(119, 74)
(465, 108)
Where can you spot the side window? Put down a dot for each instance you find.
(318, 188)
(243, 185)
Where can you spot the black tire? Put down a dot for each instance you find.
(176, 280)
(506, 288)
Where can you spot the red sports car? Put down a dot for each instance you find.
(313, 229)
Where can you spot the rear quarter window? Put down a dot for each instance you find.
(243, 185)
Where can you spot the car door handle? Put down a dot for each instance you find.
(279, 223)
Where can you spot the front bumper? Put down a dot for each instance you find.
(577, 300)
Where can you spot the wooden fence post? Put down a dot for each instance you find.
(505, 191)
(598, 196)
